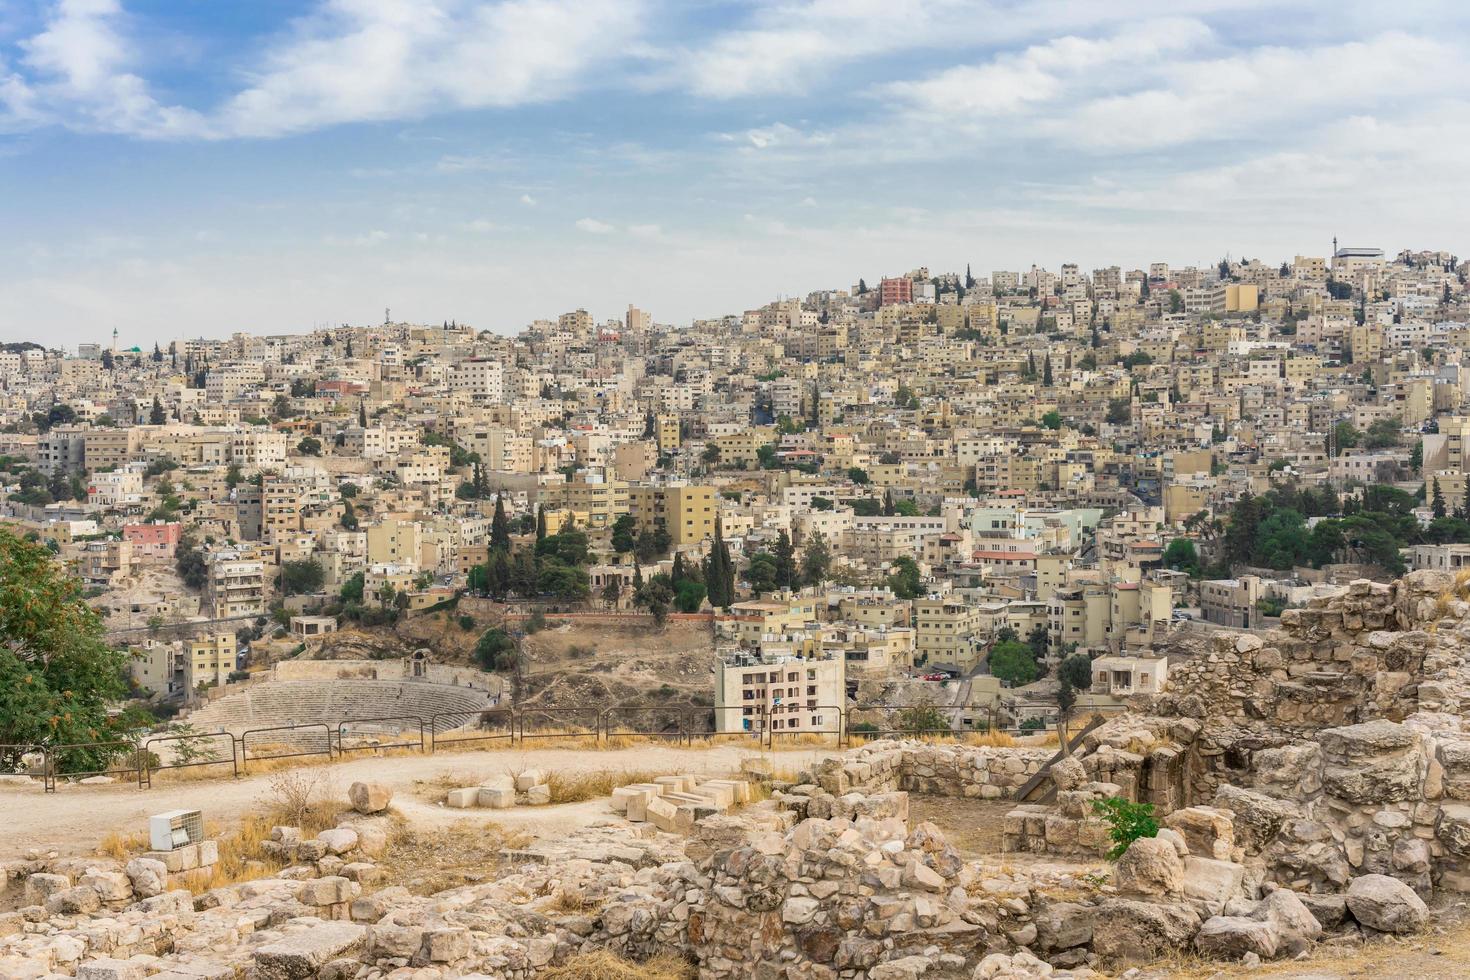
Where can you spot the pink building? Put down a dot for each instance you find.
(892, 291)
(153, 542)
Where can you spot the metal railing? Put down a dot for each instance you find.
(677, 723)
(306, 745)
(194, 749)
(373, 744)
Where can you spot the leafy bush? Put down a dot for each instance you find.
(1127, 822)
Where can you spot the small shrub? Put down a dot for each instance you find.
(536, 622)
(467, 623)
(1127, 822)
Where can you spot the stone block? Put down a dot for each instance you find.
(662, 814)
(338, 840)
(446, 945)
(462, 799)
(538, 795)
(529, 778)
(110, 969)
(301, 955)
(40, 887)
(111, 886)
(325, 891)
(496, 798)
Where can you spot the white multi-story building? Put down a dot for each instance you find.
(482, 380)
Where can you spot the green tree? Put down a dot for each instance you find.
(310, 446)
(1014, 663)
(58, 679)
(1046, 377)
(784, 553)
(624, 531)
(858, 475)
(689, 596)
(1437, 505)
(1382, 434)
(352, 589)
(499, 526)
(192, 567)
(496, 650)
(1052, 420)
(904, 579)
(1182, 556)
(921, 719)
(760, 573)
(1346, 436)
(303, 577)
(155, 414)
(1120, 411)
(816, 559)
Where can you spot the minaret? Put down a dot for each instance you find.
(114, 341)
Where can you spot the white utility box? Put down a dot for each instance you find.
(175, 829)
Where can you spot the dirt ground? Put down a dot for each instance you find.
(74, 819)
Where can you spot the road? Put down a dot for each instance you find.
(75, 818)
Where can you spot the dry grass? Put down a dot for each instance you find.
(577, 787)
(121, 847)
(603, 965)
(429, 861)
(305, 798)
(571, 902)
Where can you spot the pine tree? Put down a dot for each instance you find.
(1031, 365)
(540, 524)
(888, 510)
(677, 575)
(361, 414)
(499, 526)
(157, 354)
(500, 574)
(1437, 500)
(969, 279)
(155, 415)
(349, 346)
(637, 575)
(1046, 372)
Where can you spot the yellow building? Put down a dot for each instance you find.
(395, 543)
(211, 659)
(666, 430)
(687, 513)
(947, 632)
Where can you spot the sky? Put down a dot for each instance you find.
(184, 168)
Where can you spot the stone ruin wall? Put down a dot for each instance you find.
(1336, 743)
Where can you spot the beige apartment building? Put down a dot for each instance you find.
(780, 694)
(210, 660)
(236, 586)
(948, 631)
(687, 513)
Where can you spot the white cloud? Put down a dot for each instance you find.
(481, 226)
(1044, 73)
(363, 60)
(648, 232)
(593, 226)
(528, 200)
(348, 61)
(79, 65)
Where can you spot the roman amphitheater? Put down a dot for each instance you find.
(1309, 791)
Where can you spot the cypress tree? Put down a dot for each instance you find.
(1046, 372)
(785, 555)
(540, 524)
(888, 510)
(678, 573)
(499, 527)
(155, 415)
(361, 413)
(1437, 500)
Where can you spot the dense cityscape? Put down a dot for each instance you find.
(736, 490)
(939, 488)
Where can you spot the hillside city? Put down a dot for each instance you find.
(995, 495)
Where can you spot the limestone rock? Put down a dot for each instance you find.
(1386, 904)
(1150, 866)
(369, 797)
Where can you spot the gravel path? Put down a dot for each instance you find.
(75, 818)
